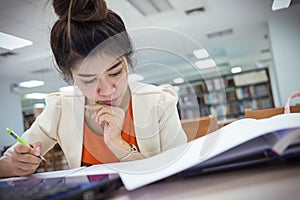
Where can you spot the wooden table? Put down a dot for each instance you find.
(280, 181)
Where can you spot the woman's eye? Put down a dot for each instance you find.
(116, 74)
(90, 81)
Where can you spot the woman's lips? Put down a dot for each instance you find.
(108, 102)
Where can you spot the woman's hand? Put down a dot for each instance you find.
(25, 159)
(110, 119)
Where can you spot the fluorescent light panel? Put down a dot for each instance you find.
(39, 105)
(11, 42)
(204, 64)
(200, 53)
(35, 96)
(280, 4)
(66, 89)
(178, 80)
(236, 70)
(31, 84)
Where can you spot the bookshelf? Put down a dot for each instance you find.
(226, 97)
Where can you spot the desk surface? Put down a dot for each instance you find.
(281, 181)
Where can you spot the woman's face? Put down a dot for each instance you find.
(101, 80)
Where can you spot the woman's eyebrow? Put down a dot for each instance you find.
(114, 66)
(91, 75)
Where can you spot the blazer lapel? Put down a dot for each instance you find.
(144, 112)
(73, 119)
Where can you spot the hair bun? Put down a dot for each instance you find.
(81, 10)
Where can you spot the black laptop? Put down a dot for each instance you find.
(77, 187)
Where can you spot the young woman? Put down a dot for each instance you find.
(106, 118)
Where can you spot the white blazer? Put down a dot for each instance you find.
(156, 122)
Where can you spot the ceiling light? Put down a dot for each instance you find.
(66, 89)
(236, 70)
(200, 53)
(39, 105)
(35, 96)
(280, 4)
(178, 80)
(11, 42)
(204, 64)
(31, 84)
(135, 77)
(150, 7)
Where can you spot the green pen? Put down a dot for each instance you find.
(19, 139)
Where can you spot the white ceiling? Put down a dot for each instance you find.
(169, 45)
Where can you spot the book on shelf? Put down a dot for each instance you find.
(231, 95)
(243, 142)
(218, 84)
(209, 85)
(261, 90)
(242, 92)
(200, 87)
(251, 78)
(207, 98)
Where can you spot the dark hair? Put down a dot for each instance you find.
(81, 27)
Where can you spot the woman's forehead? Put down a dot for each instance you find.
(96, 64)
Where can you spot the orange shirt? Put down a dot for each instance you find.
(95, 150)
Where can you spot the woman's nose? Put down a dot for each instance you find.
(105, 88)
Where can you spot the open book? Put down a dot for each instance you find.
(242, 142)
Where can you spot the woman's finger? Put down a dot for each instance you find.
(102, 112)
(37, 146)
(24, 163)
(26, 158)
(95, 106)
(106, 117)
(21, 148)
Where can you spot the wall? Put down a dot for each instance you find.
(11, 113)
(284, 35)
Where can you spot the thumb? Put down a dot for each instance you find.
(37, 148)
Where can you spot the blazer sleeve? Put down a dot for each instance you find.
(171, 132)
(44, 128)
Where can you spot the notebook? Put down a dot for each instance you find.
(58, 188)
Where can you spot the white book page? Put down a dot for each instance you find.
(135, 174)
(52, 174)
(57, 174)
(95, 169)
(13, 179)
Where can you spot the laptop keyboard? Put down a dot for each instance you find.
(36, 192)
